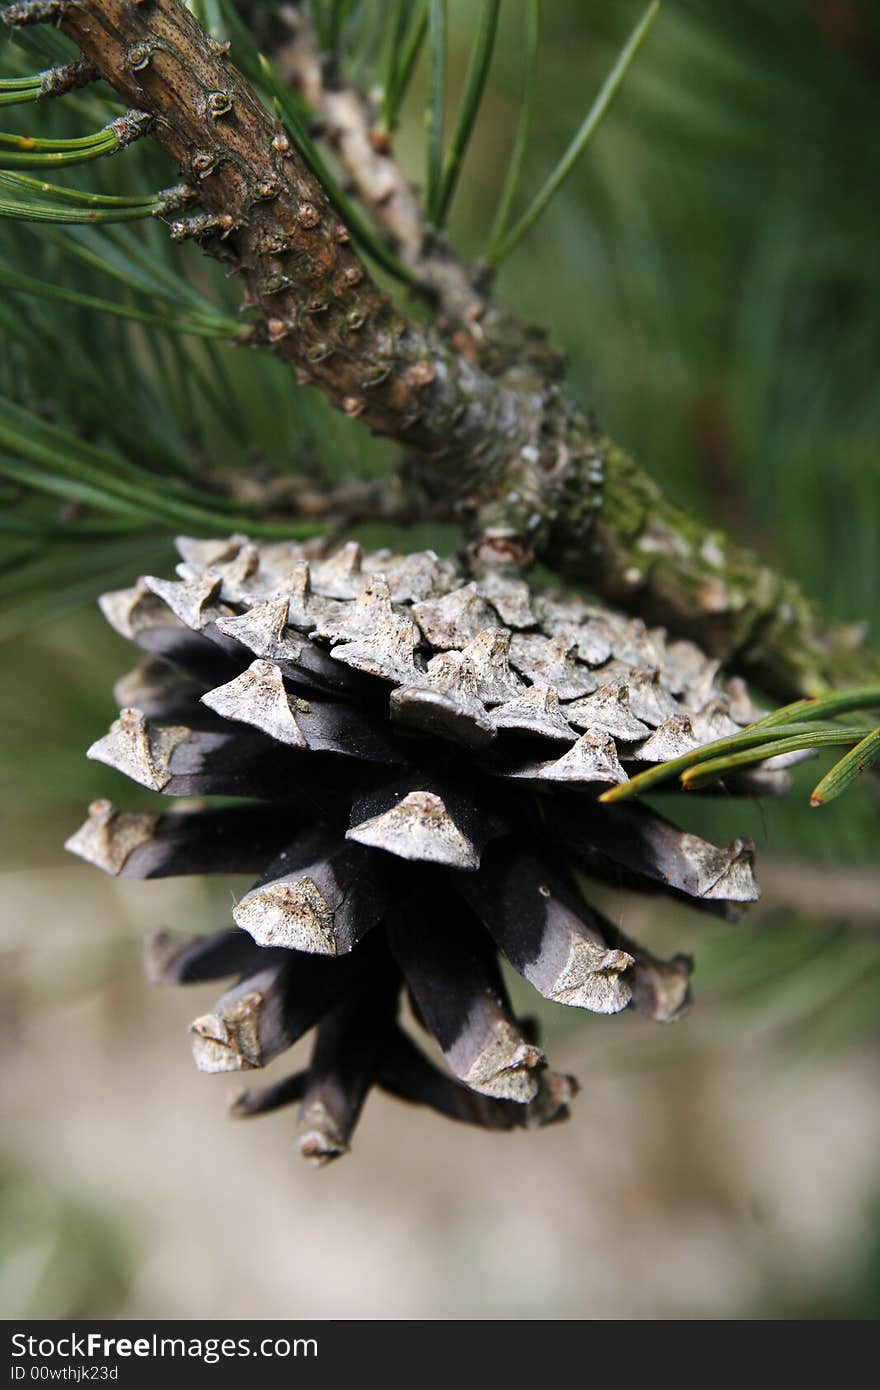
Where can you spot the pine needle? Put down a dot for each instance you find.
(523, 129)
(865, 754)
(434, 115)
(588, 128)
(791, 728)
(25, 284)
(407, 36)
(475, 84)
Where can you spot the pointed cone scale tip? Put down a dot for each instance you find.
(419, 827)
(536, 711)
(735, 880)
(140, 750)
(161, 949)
(388, 652)
(593, 758)
(295, 915)
(229, 1041)
(506, 1067)
(202, 553)
(442, 714)
(455, 619)
(556, 1091)
(263, 630)
(190, 600)
(672, 739)
(320, 1140)
(595, 984)
(662, 990)
(244, 1101)
(109, 837)
(258, 697)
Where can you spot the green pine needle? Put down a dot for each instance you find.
(475, 84)
(833, 702)
(89, 208)
(16, 90)
(220, 328)
(34, 87)
(407, 34)
(611, 86)
(23, 183)
(434, 115)
(45, 457)
(339, 15)
(44, 527)
(792, 728)
(20, 84)
(523, 130)
(31, 211)
(851, 766)
(122, 257)
(30, 152)
(712, 768)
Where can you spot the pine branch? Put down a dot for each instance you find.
(312, 299)
(497, 444)
(364, 152)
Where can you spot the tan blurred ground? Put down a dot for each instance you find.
(702, 1173)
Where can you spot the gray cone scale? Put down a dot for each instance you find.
(409, 759)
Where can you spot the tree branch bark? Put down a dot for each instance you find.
(392, 202)
(497, 444)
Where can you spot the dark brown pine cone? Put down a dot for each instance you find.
(414, 761)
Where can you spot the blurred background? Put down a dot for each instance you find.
(711, 269)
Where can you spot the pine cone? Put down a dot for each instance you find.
(403, 841)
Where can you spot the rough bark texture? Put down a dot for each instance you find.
(490, 435)
(348, 125)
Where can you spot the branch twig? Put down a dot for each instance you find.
(458, 293)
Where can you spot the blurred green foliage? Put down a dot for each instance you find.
(61, 1255)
